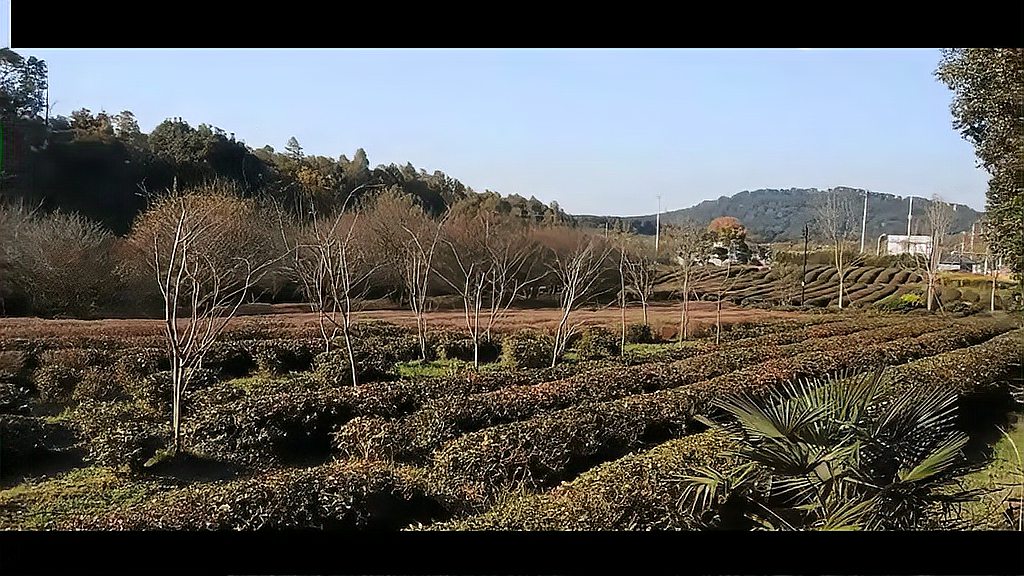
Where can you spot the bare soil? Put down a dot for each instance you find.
(295, 318)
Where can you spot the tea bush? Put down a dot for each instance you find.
(527, 349)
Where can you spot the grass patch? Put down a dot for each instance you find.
(434, 368)
(1003, 477)
(48, 504)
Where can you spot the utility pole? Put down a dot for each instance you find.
(910, 211)
(657, 227)
(803, 279)
(864, 222)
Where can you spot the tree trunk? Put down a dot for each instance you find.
(931, 291)
(992, 296)
(622, 309)
(644, 304)
(176, 382)
(718, 321)
(684, 319)
(839, 271)
(351, 356)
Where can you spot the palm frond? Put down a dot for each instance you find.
(940, 460)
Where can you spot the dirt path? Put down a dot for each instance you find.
(663, 318)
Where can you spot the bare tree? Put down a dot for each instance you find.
(577, 264)
(691, 244)
(333, 262)
(938, 216)
(835, 218)
(61, 261)
(207, 250)
(408, 238)
(639, 265)
(488, 263)
(622, 293)
(722, 287)
(14, 219)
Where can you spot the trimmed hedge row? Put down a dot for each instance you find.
(120, 433)
(638, 491)
(26, 440)
(376, 357)
(416, 436)
(641, 491)
(553, 447)
(14, 398)
(972, 370)
(346, 495)
(261, 427)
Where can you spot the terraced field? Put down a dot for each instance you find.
(864, 287)
(277, 440)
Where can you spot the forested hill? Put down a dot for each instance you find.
(779, 215)
(103, 166)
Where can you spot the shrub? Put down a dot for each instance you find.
(379, 329)
(56, 383)
(134, 364)
(14, 398)
(902, 302)
(97, 384)
(12, 364)
(268, 429)
(549, 448)
(451, 345)
(354, 494)
(76, 358)
(63, 263)
(27, 440)
(961, 308)
(155, 390)
(598, 342)
(639, 334)
(600, 500)
(971, 370)
(120, 433)
(376, 357)
(413, 438)
(527, 349)
(277, 357)
(229, 359)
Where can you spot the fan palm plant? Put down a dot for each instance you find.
(838, 453)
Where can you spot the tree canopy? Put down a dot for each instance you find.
(988, 96)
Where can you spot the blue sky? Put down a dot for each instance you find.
(600, 131)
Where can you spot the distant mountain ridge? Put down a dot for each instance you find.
(774, 215)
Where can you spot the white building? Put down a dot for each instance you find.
(915, 244)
